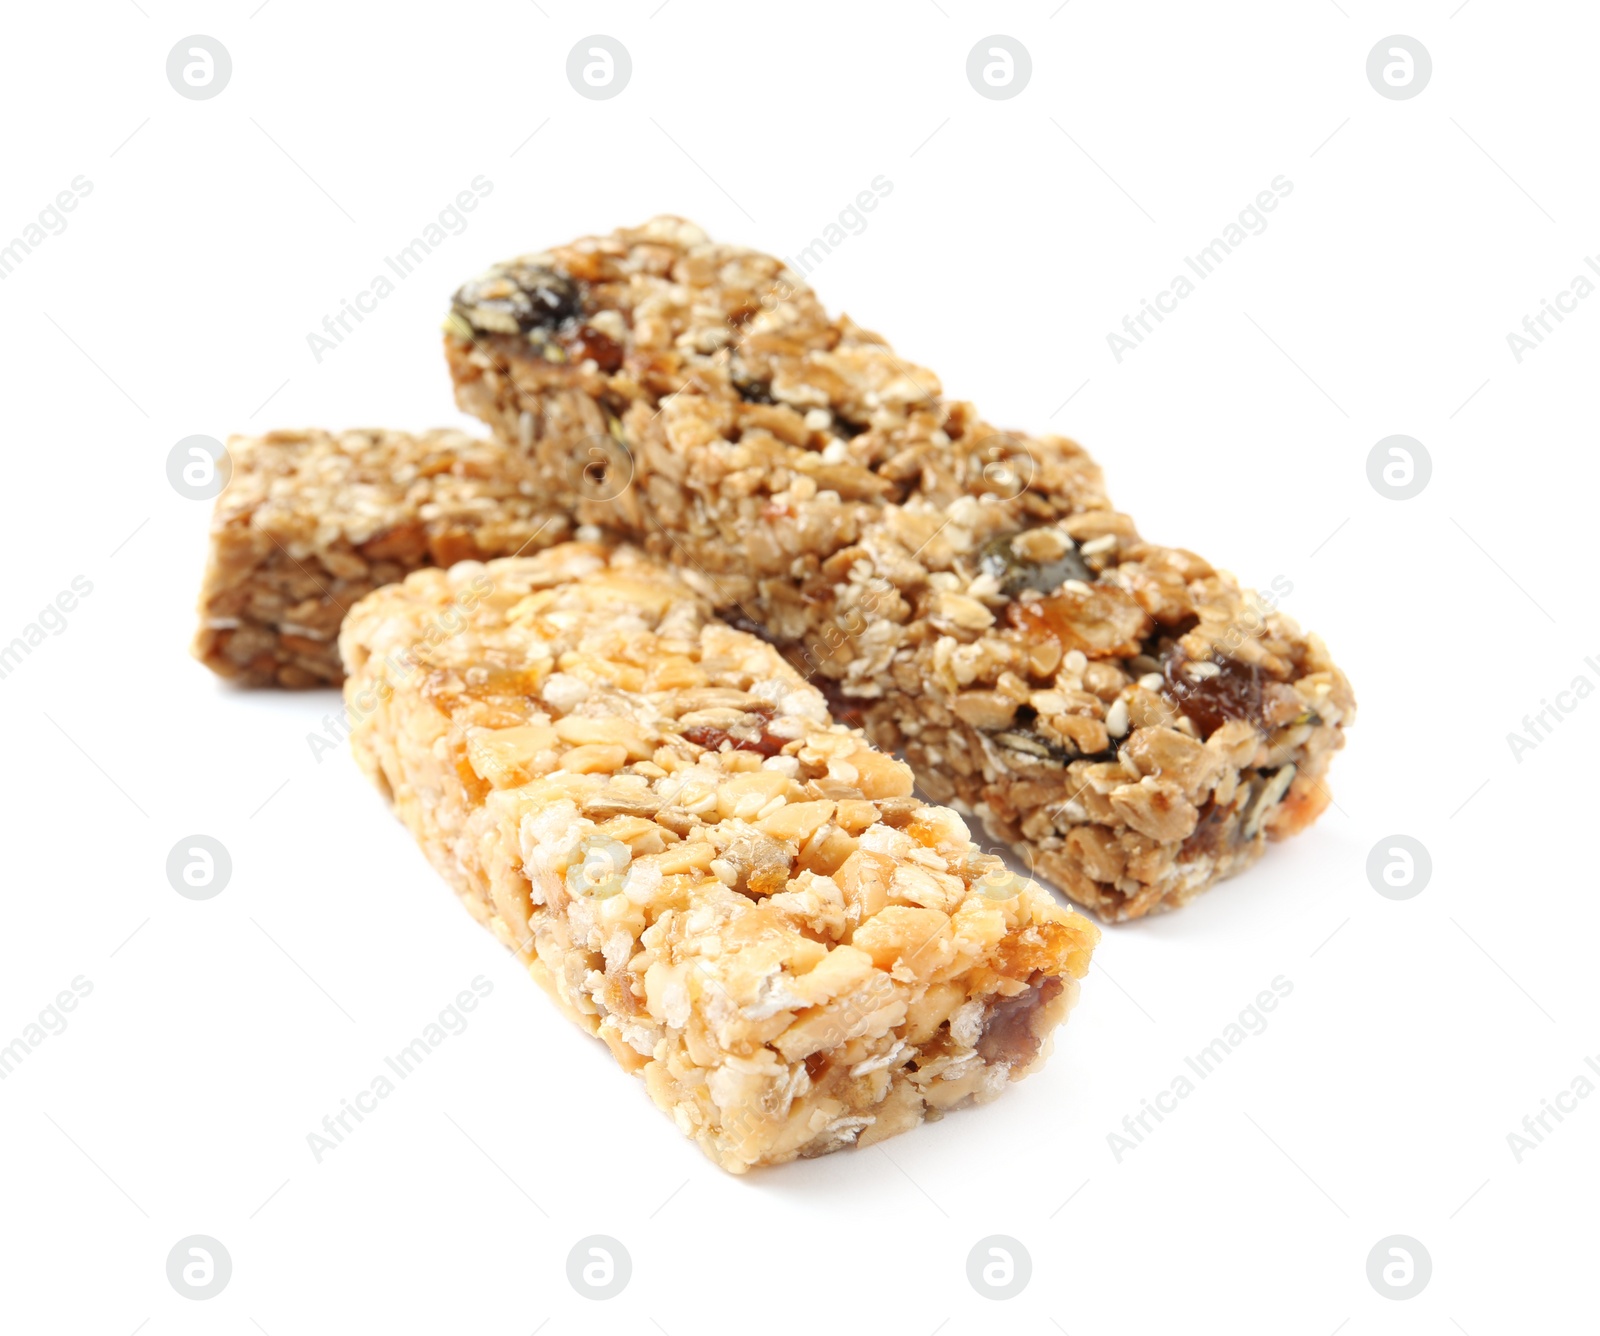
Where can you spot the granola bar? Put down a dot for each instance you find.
(311, 521)
(739, 896)
(1125, 716)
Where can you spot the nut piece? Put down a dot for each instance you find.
(958, 612)
(990, 711)
(507, 757)
(1157, 808)
(593, 759)
(577, 730)
(1192, 765)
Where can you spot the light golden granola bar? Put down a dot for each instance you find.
(1124, 715)
(740, 897)
(311, 521)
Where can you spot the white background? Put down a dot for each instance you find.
(219, 1033)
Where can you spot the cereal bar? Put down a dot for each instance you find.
(311, 521)
(1127, 717)
(739, 896)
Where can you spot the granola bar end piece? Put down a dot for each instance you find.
(311, 521)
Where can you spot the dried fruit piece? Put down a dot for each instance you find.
(1014, 572)
(602, 349)
(1100, 620)
(515, 298)
(1212, 691)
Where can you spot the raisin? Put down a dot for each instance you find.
(589, 342)
(1008, 1035)
(551, 297)
(1208, 832)
(754, 738)
(755, 391)
(1234, 692)
(711, 738)
(517, 298)
(1016, 573)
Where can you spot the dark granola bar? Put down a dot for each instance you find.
(1125, 716)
